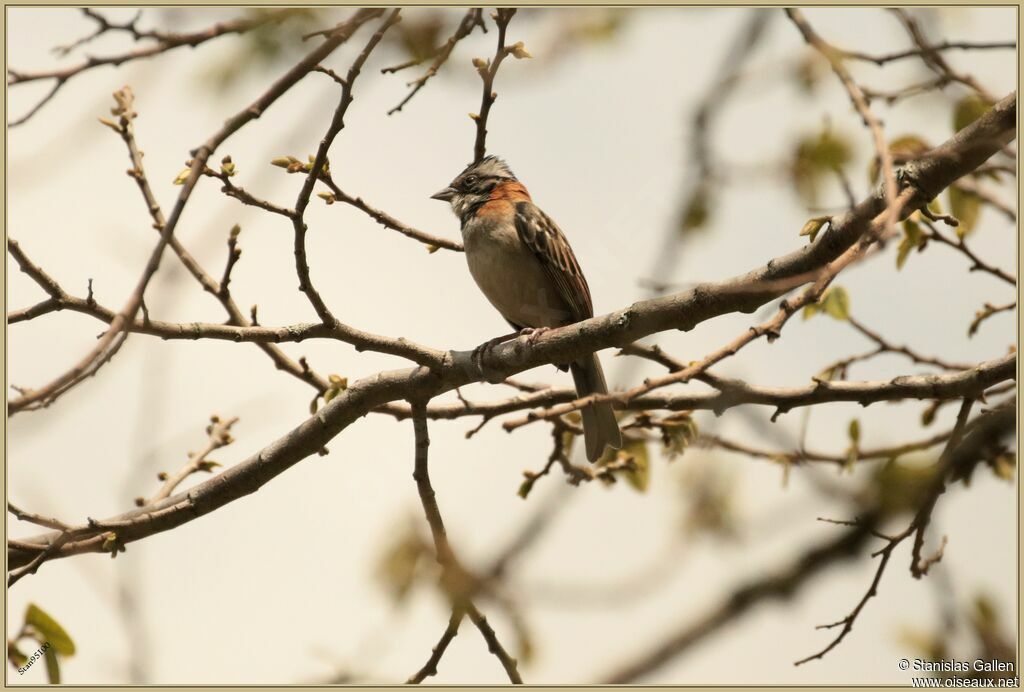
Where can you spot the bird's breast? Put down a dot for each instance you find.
(510, 275)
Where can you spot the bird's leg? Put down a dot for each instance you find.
(483, 349)
(529, 333)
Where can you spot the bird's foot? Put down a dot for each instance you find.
(481, 351)
(532, 333)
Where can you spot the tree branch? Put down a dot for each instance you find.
(473, 18)
(502, 17)
(966, 150)
(165, 43)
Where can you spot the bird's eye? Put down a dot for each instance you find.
(469, 181)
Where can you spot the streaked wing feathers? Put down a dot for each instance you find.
(539, 233)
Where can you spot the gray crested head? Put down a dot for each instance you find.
(489, 167)
(473, 185)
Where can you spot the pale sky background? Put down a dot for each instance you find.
(280, 587)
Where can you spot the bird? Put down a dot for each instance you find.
(525, 267)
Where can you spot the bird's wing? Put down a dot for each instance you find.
(541, 235)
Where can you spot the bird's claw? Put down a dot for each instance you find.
(531, 334)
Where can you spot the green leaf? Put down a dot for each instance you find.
(183, 176)
(854, 431)
(968, 109)
(401, 564)
(836, 303)
(809, 70)
(813, 226)
(1005, 466)
(903, 149)
(852, 455)
(49, 630)
(697, 211)
(52, 665)
(966, 208)
(985, 610)
(928, 415)
(677, 433)
(639, 478)
(816, 157)
(912, 238)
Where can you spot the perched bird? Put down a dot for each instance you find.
(525, 267)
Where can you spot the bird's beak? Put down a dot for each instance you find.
(444, 195)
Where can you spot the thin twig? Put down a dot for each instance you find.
(432, 242)
(320, 164)
(458, 583)
(933, 48)
(860, 103)
(472, 18)
(501, 16)
(165, 43)
(219, 435)
(978, 264)
(430, 667)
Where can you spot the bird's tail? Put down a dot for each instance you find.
(599, 425)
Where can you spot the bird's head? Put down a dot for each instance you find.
(472, 186)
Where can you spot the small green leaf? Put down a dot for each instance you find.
(786, 462)
(968, 109)
(697, 211)
(330, 394)
(525, 487)
(985, 610)
(677, 433)
(854, 431)
(49, 630)
(836, 303)
(928, 415)
(902, 149)
(966, 207)
(851, 458)
(816, 157)
(813, 226)
(183, 176)
(401, 564)
(1005, 466)
(338, 382)
(52, 665)
(639, 478)
(912, 238)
